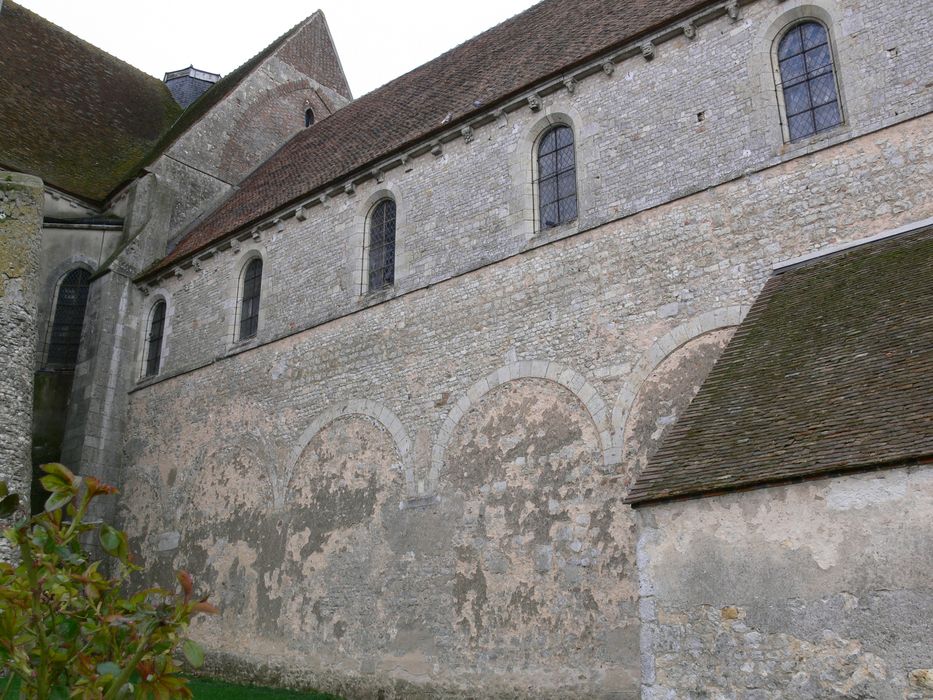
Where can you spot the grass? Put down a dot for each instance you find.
(206, 689)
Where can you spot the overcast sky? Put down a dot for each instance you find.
(378, 40)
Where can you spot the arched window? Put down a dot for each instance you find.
(808, 80)
(557, 177)
(249, 299)
(309, 117)
(65, 332)
(381, 246)
(154, 339)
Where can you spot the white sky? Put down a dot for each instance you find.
(377, 40)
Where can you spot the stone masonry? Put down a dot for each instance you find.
(417, 492)
(20, 224)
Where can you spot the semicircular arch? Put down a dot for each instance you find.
(565, 376)
(662, 348)
(387, 420)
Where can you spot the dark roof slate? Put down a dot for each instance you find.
(70, 113)
(832, 370)
(535, 45)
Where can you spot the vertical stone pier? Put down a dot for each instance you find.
(21, 198)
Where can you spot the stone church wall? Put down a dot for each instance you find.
(419, 491)
(815, 590)
(428, 493)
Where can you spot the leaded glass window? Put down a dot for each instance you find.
(65, 332)
(249, 301)
(381, 248)
(557, 177)
(808, 80)
(154, 339)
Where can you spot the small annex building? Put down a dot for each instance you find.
(592, 358)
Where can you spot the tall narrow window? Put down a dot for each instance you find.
(557, 177)
(309, 117)
(808, 80)
(249, 301)
(381, 249)
(154, 339)
(65, 332)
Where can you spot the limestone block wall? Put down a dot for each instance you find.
(701, 113)
(425, 496)
(21, 202)
(814, 590)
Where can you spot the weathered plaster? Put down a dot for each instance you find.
(815, 590)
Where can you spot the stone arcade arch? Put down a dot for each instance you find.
(387, 420)
(566, 377)
(662, 348)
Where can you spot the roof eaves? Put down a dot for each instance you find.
(660, 497)
(590, 64)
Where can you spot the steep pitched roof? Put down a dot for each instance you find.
(532, 46)
(70, 113)
(831, 370)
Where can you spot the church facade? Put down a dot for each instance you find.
(407, 381)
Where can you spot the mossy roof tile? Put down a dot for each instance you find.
(72, 114)
(832, 370)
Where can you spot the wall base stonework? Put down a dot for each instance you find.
(21, 201)
(814, 590)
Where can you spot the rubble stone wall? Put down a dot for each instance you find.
(21, 201)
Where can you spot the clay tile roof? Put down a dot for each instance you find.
(70, 113)
(535, 45)
(832, 370)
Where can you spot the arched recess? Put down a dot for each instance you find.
(354, 407)
(661, 349)
(568, 378)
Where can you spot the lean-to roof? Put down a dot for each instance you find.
(831, 371)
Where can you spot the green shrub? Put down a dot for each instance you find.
(68, 628)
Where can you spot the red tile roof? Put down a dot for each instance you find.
(70, 113)
(533, 46)
(832, 370)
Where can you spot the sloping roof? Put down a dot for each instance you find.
(832, 370)
(318, 51)
(70, 113)
(532, 46)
